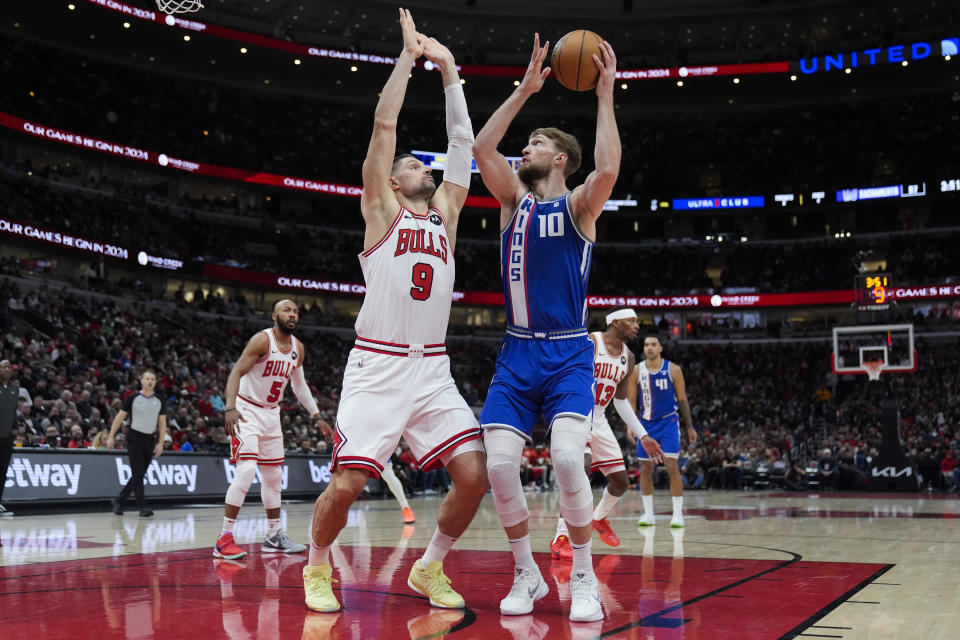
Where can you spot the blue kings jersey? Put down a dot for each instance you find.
(545, 266)
(655, 395)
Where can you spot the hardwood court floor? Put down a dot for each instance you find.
(747, 565)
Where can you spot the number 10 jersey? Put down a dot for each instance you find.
(409, 276)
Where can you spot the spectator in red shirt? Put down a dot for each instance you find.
(77, 441)
(203, 405)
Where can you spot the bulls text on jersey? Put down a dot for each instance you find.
(278, 368)
(421, 241)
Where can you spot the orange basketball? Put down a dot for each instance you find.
(572, 60)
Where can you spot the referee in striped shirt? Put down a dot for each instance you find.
(147, 422)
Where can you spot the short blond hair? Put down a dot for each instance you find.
(565, 143)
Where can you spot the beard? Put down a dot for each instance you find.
(426, 190)
(285, 329)
(530, 173)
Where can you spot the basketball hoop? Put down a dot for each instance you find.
(873, 369)
(179, 6)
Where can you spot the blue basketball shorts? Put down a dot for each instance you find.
(666, 431)
(539, 376)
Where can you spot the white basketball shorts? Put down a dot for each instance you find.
(258, 435)
(387, 396)
(605, 453)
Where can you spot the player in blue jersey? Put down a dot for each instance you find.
(660, 392)
(545, 364)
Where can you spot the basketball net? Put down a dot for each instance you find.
(873, 368)
(179, 6)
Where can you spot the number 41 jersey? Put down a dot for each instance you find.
(409, 276)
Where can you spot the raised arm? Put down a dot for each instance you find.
(452, 192)
(588, 198)
(378, 204)
(258, 346)
(497, 175)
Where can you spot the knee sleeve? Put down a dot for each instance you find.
(569, 437)
(504, 449)
(271, 481)
(246, 472)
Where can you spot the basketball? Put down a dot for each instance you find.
(572, 60)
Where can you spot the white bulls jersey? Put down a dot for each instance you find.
(608, 371)
(267, 380)
(409, 276)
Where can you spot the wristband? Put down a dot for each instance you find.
(230, 409)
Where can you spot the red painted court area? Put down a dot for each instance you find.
(187, 594)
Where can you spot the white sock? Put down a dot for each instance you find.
(582, 557)
(273, 525)
(678, 506)
(647, 504)
(318, 555)
(228, 524)
(607, 502)
(437, 550)
(561, 529)
(522, 555)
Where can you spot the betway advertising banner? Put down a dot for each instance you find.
(56, 476)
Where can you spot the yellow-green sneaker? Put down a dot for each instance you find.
(432, 583)
(318, 588)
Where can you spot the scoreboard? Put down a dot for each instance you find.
(871, 291)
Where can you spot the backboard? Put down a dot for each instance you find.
(874, 349)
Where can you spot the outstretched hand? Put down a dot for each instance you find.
(436, 52)
(607, 66)
(412, 40)
(533, 79)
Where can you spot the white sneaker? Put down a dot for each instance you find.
(677, 520)
(281, 543)
(528, 587)
(585, 597)
(647, 520)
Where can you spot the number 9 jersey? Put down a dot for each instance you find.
(409, 276)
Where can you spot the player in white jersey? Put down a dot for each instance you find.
(397, 380)
(271, 360)
(615, 377)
